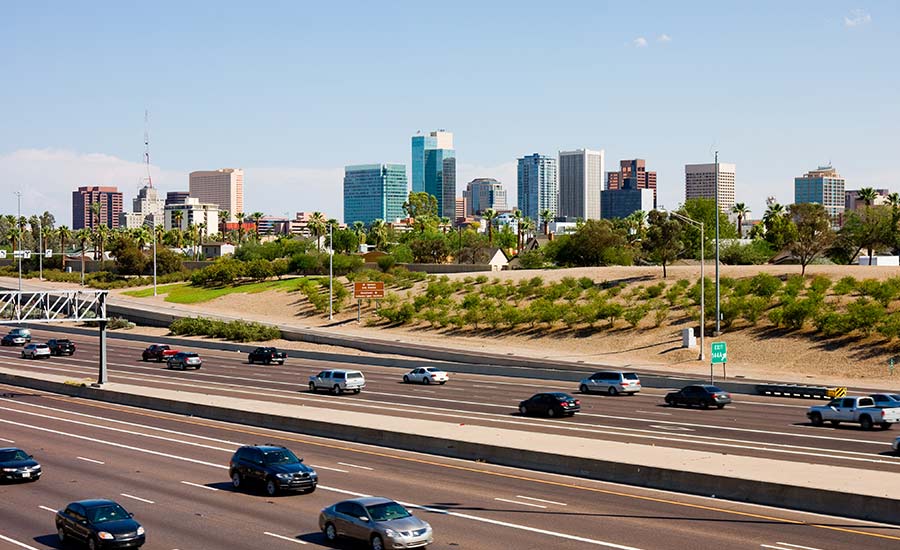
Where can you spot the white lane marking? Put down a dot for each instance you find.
(542, 500)
(773, 547)
(7, 440)
(671, 428)
(126, 495)
(197, 485)
(90, 460)
(329, 469)
(355, 466)
(483, 386)
(282, 537)
(520, 503)
(17, 543)
(47, 508)
(797, 546)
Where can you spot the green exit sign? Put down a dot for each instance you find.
(719, 353)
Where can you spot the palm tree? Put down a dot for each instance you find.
(490, 214)
(774, 210)
(83, 236)
(96, 209)
(141, 236)
(378, 230)
(317, 227)
(240, 219)
(14, 235)
(64, 235)
(526, 226)
(256, 216)
(445, 224)
(224, 215)
(359, 229)
(741, 210)
(894, 199)
(101, 234)
(867, 195)
(546, 217)
(201, 231)
(517, 215)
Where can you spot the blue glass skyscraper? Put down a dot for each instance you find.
(538, 185)
(374, 191)
(434, 169)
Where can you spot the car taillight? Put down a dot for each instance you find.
(577, 402)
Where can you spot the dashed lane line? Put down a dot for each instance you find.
(90, 460)
(521, 503)
(17, 543)
(347, 464)
(329, 469)
(139, 499)
(542, 500)
(197, 485)
(282, 537)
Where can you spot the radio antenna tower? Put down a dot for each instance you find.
(147, 145)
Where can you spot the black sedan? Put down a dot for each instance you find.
(13, 340)
(703, 396)
(550, 404)
(99, 524)
(16, 464)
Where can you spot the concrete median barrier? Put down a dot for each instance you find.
(845, 492)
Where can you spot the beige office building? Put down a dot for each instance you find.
(700, 183)
(223, 187)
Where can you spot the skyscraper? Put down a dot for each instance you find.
(826, 187)
(147, 209)
(632, 172)
(434, 169)
(110, 200)
(223, 187)
(374, 191)
(538, 185)
(580, 182)
(700, 183)
(484, 193)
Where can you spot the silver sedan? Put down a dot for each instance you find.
(381, 522)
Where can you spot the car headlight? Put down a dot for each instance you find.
(390, 533)
(105, 536)
(284, 476)
(10, 469)
(140, 530)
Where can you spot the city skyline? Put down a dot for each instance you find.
(756, 113)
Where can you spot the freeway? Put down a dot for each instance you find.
(755, 426)
(171, 472)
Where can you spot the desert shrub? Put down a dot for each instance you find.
(258, 270)
(654, 291)
(754, 307)
(731, 310)
(890, 326)
(832, 323)
(756, 253)
(819, 285)
(795, 313)
(635, 314)
(481, 279)
(741, 287)
(402, 254)
(726, 282)
(386, 263)
(845, 285)
(884, 292)
(610, 311)
(438, 289)
(660, 314)
(673, 294)
(398, 314)
(793, 286)
(545, 311)
(865, 315)
(235, 331)
(614, 290)
(585, 282)
(512, 316)
(763, 284)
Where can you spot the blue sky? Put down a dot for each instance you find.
(293, 91)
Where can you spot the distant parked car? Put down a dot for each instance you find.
(183, 360)
(99, 524)
(273, 467)
(338, 381)
(23, 332)
(13, 340)
(158, 352)
(886, 399)
(61, 346)
(16, 464)
(896, 445)
(267, 356)
(381, 522)
(426, 375)
(550, 404)
(35, 351)
(611, 382)
(702, 396)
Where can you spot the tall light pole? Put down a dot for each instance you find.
(154, 252)
(702, 281)
(19, 217)
(40, 249)
(330, 272)
(718, 295)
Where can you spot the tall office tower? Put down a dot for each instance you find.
(224, 187)
(580, 182)
(700, 183)
(460, 208)
(538, 185)
(204, 216)
(147, 209)
(632, 171)
(374, 191)
(826, 187)
(484, 193)
(440, 139)
(434, 169)
(110, 200)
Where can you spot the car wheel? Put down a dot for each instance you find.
(356, 391)
(670, 402)
(612, 391)
(444, 382)
(268, 361)
(704, 405)
(92, 544)
(236, 480)
(61, 535)
(377, 543)
(835, 423)
(250, 361)
(816, 419)
(271, 487)
(330, 532)
(426, 380)
(336, 390)
(865, 422)
(405, 379)
(583, 388)
(523, 410)
(551, 412)
(312, 387)
(720, 406)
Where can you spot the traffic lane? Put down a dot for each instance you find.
(510, 498)
(813, 445)
(161, 483)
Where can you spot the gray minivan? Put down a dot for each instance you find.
(611, 382)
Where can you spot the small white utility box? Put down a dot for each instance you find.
(688, 340)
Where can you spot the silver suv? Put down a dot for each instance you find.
(379, 521)
(611, 382)
(338, 381)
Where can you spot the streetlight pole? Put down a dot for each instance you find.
(40, 249)
(330, 272)
(154, 252)
(702, 281)
(718, 295)
(19, 217)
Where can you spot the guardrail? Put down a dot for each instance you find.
(797, 390)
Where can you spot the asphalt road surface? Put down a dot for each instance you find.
(171, 472)
(757, 426)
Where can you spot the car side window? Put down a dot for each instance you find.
(77, 512)
(835, 403)
(338, 375)
(255, 456)
(357, 511)
(866, 402)
(345, 508)
(323, 374)
(847, 403)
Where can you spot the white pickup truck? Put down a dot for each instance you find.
(859, 410)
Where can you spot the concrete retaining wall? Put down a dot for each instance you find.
(721, 486)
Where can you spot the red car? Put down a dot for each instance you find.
(158, 352)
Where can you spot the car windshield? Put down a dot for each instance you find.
(62, 341)
(387, 511)
(111, 512)
(16, 454)
(281, 456)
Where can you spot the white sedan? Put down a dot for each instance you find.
(426, 375)
(35, 351)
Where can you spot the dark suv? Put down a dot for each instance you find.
(61, 346)
(273, 467)
(704, 396)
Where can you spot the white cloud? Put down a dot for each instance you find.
(663, 38)
(640, 42)
(857, 18)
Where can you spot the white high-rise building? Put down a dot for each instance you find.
(580, 182)
(192, 212)
(700, 183)
(146, 208)
(223, 187)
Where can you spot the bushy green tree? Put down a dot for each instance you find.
(664, 242)
(814, 234)
(595, 243)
